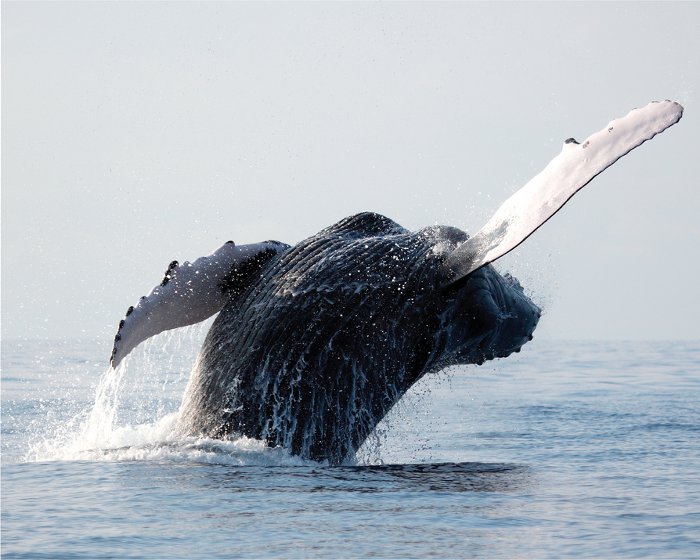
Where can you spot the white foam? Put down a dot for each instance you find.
(132, 417)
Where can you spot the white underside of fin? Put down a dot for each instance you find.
(190, 292)
(577, 164)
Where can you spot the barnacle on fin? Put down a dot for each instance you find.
(169, 272)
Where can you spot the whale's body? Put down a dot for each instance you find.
(315, 343)
(332, 332)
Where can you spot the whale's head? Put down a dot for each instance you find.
(488, 315)
(478, 317)
(483, 315)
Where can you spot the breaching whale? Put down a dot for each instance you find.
(314, 343)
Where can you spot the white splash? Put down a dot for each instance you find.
(134, 415)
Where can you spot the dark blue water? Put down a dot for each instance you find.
(568, 449)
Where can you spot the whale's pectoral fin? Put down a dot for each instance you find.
(192, 292)
(577, 164)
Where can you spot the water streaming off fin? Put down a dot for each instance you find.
(135, 410)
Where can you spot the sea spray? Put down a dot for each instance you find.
(99, 425)
(134, 405)
(134, 413)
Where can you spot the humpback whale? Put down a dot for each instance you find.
(314, 343)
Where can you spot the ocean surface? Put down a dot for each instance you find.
(568, 449)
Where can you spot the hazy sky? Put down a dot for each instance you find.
(138, 133)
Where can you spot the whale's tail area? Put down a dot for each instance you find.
(577, 164)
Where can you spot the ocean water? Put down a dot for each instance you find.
(568, 449)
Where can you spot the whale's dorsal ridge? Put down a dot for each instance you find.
(364, 224)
